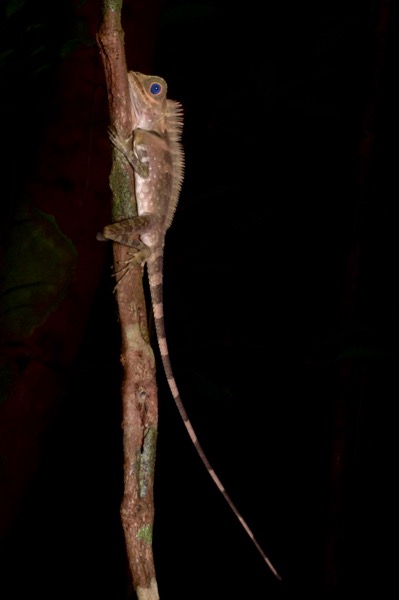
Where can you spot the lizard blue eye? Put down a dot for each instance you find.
(155, 88)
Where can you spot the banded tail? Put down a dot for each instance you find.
(155, 276)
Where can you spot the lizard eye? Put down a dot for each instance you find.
(155, 89)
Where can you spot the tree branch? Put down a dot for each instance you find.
(139, 391)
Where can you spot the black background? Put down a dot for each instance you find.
(277, 100)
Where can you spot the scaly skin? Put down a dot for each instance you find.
(155, 153)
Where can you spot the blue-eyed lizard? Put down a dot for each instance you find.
(155, 152)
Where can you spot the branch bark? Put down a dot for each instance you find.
(139, 391)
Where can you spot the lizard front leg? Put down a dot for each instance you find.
(138, 160)
(128, 232)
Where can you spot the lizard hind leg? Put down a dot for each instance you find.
(122, 272)
(127, 233)
(139, 256)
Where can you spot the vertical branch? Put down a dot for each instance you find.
(139, 392)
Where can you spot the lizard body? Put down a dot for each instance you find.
(155, 153)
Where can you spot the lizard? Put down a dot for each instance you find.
(155, 152)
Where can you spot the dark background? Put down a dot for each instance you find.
(281, 313)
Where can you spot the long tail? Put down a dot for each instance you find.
(155, 271)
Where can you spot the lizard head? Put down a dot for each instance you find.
(148, 101)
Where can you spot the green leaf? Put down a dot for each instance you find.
(14, 6)
(37, 267)
(365, 351)
(5, 55)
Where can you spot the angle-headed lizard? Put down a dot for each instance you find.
(155, 153)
